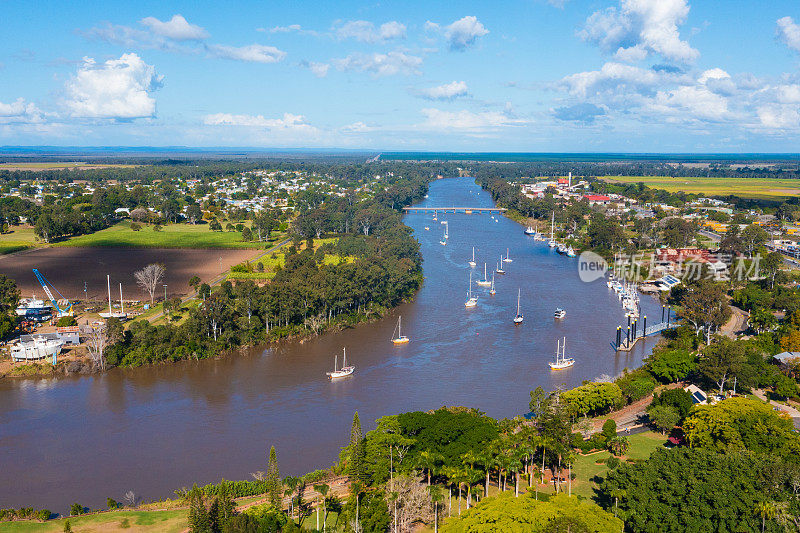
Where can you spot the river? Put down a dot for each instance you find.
(155, 429)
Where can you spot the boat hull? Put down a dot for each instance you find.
(401, 340)
(343, 373)
(561, 365)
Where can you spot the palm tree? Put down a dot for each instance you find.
(486, 459)
(469, 459)
(436, 497)
(323, 489)
(766, 510)
(291, 483)
(428, 461)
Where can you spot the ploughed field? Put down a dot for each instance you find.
(67, 268)
(759, 188)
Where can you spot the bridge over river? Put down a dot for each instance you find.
(467, 210)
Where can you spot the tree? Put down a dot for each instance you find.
(199, 518)
(149, 278)
(96, 342)
(761, 320)
(322, 489)
(770, 265)
(273, 479)
(752, 237)
(705, 305)
(767, 511)
(9, 294)
(720, 362)
(670, 366)
(194, 282)
(592, 397)
(609, 429)
(663, 417)
(561, 514)
(357, 469)
(194, 213)
(538, 403)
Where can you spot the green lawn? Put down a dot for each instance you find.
(762, 188)
(159, 521)
(586, 467)
(19, 238)
(171, 236)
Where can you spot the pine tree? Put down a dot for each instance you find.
(223, 508)
(273, 479)
(199, 520)
(357, 451)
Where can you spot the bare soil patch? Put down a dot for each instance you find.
(68, 268)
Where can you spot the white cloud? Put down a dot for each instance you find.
(252, 53)
(464, 32)
(20, 111)
(319, 70)
(289, 126)
(283, 29)
(357, 127)
(177, 29)
(613, 77)
(362, 30)
(779, 117)
(448, 91)
(387, 64)
(789, 33)
(431, 26)
(119, 88)
(437, 119)
(691, 103)
(639, 27)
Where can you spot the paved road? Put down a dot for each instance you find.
(791, 411)
(221, 278)
(711, 235)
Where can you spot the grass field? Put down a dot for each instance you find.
(586, 467)
(758, 188)
(160, 521)
(58, 165)
(19, 238)
(170, 236)
(277, 259)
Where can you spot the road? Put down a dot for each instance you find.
(736, 324)
(711, 235)
(791, 411)
(219, 279)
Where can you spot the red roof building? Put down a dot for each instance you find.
(597, 198)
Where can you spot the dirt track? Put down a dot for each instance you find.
(68, 268)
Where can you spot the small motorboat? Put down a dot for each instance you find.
(560, 313)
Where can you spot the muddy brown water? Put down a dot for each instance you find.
(152, 430)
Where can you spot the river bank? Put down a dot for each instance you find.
(85, 438)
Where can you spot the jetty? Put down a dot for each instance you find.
(627, 338)
(466, 210)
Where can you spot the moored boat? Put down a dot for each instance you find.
(560, 313)
(562, 361)
(345, 370)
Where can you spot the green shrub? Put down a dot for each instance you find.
(612, 462)
(66, 321)
(609, 429)
(76, 509)
(111, 503)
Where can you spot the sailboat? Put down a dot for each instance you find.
(400, 338)
(507, 258)
(472, 301)
(472, 263)
(499, 268)
(552, 242)
(562, 361)
(121, 314)
(570, 251)
(492, 291)
(341, 372)
(518, 317)
(529, 231)
(483, 282)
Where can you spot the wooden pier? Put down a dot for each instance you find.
(466, 210)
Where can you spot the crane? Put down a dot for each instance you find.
(44, 283)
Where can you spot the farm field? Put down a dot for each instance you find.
(171, 236)
(757, 188)
(19, 238)
(67, 268)
(58, 165)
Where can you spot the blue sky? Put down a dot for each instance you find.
(529, 75)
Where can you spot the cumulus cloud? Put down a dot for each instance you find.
(177, 28)
(613, 78)
(364, 31)
(789, 33)
(118, 89)
(20, 112)
(377, 64)
(585, 113)
(252, 53)
(639, 27)
(448, 91)
(465, 120)
(357, 127)
(464, 32)
(319, 70)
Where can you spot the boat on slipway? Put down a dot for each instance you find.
(36, 347)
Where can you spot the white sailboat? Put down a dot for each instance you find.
(552, 242)
(518, 317)
(499, 268)
(472, 301)
(507, 258)
(121, 314)
(341, 372)
(562, 361)
(399, 338)
(483, 282)
(570, 251)
(472, 263)
(492, 291)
